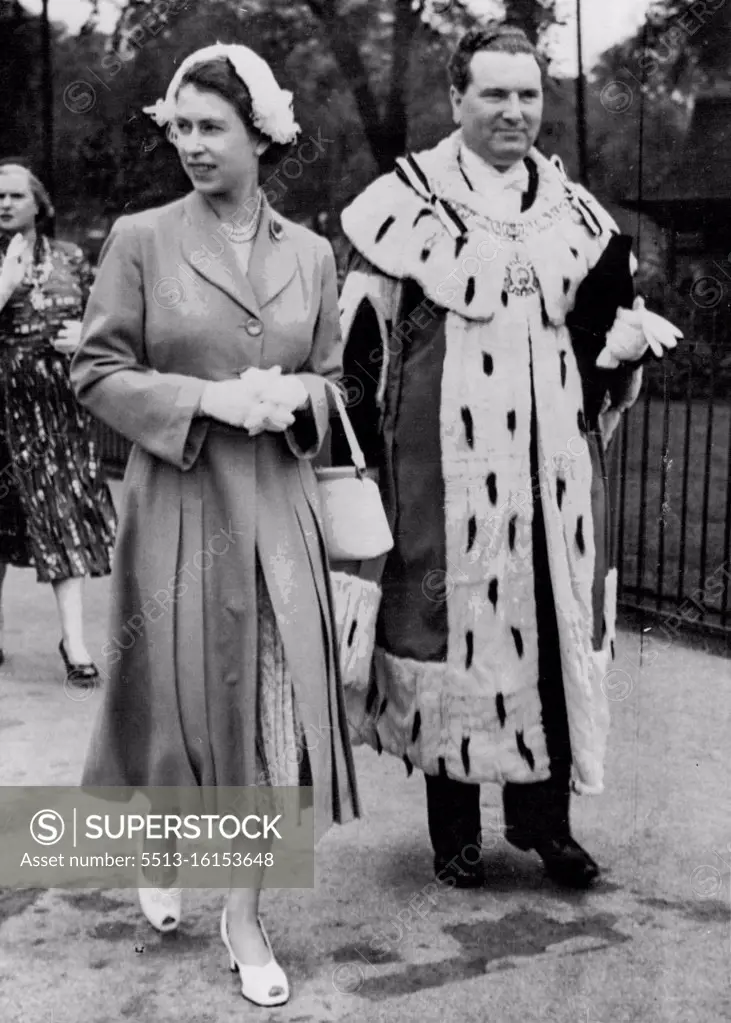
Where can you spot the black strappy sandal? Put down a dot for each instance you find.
(78, 674)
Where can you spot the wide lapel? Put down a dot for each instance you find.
(209, 253)
(273, 261)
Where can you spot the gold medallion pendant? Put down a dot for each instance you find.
(520, 277)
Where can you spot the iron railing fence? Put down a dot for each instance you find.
(671, 469)
(670, 465)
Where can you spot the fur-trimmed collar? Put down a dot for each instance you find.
(423, 221)
(442, 166)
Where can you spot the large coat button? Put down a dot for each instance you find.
(254, 327)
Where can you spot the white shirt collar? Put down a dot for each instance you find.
(487, 179)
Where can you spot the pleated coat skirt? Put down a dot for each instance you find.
(207, 510)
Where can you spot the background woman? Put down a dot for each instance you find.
(56, 513)
(210, 330)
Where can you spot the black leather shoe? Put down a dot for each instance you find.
(565, 861)
(455, 873)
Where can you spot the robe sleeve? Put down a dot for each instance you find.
(109, 371)
(367, 304)
(607, 287)
(325, 363)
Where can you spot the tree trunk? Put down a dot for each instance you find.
(386, 136)
(526, 14)
(395, 126)
(347, 55)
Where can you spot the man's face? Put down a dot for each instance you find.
(500, 111)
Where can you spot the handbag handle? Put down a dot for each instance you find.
(356, 452)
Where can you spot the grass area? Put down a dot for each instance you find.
(704, 555)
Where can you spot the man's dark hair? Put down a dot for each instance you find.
(496, 38)
(218, 75)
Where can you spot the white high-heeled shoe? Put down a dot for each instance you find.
(263, 985)
(162, 907)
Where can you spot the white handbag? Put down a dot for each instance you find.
(354, 520)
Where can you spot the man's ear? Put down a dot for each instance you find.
(455, 97)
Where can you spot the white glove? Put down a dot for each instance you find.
(260, 380)
(288, 391)
(633, 331)
(266, 415)
(67, 340)
(230, 401)
(279, 397)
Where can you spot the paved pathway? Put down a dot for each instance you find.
(651, 945)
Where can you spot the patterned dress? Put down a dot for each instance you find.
(56, 512)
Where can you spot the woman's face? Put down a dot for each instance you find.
(218, 152)
(18, 207)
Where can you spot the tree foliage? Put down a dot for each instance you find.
(646, 87)
(683, 45)
(368, 78)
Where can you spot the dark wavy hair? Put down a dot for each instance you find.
(497, 38)
(219, 75)
(46, 212)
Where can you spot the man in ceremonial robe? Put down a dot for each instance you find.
(493, 341)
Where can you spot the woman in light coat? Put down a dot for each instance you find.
(209, 336)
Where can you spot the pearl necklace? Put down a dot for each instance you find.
(238, 235)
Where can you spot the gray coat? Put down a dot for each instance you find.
(169, 311)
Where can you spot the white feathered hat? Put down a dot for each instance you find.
(271, 106)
